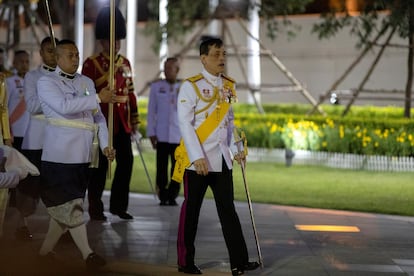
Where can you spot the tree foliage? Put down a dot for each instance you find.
(183, 15)
(375, 15)
(368, 22)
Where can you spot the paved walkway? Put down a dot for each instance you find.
(367, 244)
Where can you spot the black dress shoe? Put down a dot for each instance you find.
(251, 265)
(172, 202)
(123, 215)
(163, 203)
(94, 261)
(190, 269)
(248, 266)
(100, 217)
(237, 271)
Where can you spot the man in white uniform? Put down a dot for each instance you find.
(75, 124)
(163, 130)
(206, 121)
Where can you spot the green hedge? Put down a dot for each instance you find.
(365, 130)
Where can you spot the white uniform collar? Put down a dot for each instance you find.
(65, 75)
(48, 68)
(214, 80)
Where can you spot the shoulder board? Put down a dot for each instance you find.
(228, 78)
(195, 78)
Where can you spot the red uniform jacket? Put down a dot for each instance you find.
(125, 109)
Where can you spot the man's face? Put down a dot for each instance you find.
(21, 63)
(171, 70)
(47, 53)
(214, 62)
(68, 58)
(106, 45)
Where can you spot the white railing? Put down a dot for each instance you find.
(334, 160)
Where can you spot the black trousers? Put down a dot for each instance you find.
(31, 184)
(195, 187)
(121, 179)
(168, 189)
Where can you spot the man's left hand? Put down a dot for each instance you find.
(240, 157)
(109, 153)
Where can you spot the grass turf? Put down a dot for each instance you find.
(309, 186)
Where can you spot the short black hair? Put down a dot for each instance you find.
(206, 44)
(66, 42)
(172, 59)
(20, 52)
(48, 39)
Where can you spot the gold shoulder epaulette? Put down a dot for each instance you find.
(195, 78)
(228, 78)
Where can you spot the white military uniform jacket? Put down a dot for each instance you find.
(15, 93)
(220, 142)
(33, 138)
(72, 98)
(162, 118)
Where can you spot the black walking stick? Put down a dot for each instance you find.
(241, 144)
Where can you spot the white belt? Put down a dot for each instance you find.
(39, 117)
(82, 125)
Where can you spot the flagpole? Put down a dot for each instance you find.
(111, 80)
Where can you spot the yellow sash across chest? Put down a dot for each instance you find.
(205, 129)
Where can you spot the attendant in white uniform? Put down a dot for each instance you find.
(75, 121)
(27, 193)
(210, 147)
(163, 129)
(18, 117)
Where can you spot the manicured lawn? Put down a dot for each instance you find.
(311, 186)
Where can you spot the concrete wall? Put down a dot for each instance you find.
(316, 64)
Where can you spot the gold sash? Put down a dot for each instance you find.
(206, 128)
(203, 131)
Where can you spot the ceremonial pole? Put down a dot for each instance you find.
(49, 23)
(111, 79)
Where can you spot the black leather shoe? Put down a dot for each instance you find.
(123, 215)
(248, 266)
(100, 217)
(163, 203)
(237, 271)
(251, 265)
(94, 261)
(190, 269)
(172, 202)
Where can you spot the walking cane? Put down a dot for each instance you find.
(241, 141)
(137, 139)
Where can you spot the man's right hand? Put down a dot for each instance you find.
(201, 166)
(154, 141)
(106, 95)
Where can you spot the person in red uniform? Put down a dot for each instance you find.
(125, 119)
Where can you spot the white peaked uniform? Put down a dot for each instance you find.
(220, 143)
(70, 99)
(162, 122)
(162, 112)
(15, 94)
(33, 138)
(193, 109)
